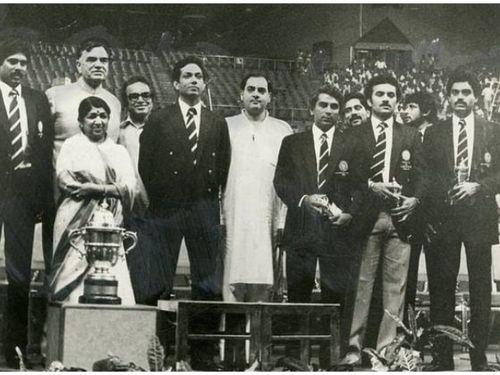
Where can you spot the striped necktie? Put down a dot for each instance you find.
(324, 155)
(16, 141)
(462, 151)
(378, 162)
(191, 129)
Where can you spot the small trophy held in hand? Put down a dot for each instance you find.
(396, 190)
(330, 209)
(461, 176)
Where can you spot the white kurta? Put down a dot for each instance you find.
(252, 210)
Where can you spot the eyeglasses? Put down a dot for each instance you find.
(135, 96)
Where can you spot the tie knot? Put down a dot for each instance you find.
(382, 126)
(191, 112)
(13, 92)
(323, 137)
(462, 123)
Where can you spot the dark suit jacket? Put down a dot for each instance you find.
(407, 167)
(39, 148)
(296, 176)
(166, 163)
(478, 214)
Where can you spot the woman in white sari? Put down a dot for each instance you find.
(90, 168)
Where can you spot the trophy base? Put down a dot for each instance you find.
(100, 291)
(100, 300)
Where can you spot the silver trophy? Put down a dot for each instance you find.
(103, 240)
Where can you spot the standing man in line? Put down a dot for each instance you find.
(26, 137)
(418, 111)
(137, 97)
(388, 155)
(355, 111)
(464, 167)
(314, 169)
(93, 66)
(253, 212)
(183, 161)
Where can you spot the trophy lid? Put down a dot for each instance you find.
(102, 217)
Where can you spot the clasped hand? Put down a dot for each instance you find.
(384, 190)
(83, 190)
(317, 204)
(405, 207)
(462, 191)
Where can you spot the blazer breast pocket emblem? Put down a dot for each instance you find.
(486, 160)
(40, 129)
(343, 168)
(406, 160)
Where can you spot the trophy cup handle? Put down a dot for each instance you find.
(71, 235)
(133, 236)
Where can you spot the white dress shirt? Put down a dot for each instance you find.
(388, 143)
(7, 99)
(469, 128)
(184, 110)
(317, 133)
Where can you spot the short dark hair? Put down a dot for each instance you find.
(463, 76)
(328, 90)
(90, 102)
(176, 71)
(426, 103)
(356, 95)
(89, 44)
(131, 81)
(380, 80)
(12, 45)
(245, 79)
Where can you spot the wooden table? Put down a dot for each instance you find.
(260, 334)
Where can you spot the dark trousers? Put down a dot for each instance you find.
(198, 224)
(338, 271)
(146, 263)
(411, 284)
(18, 212)
(443, 262)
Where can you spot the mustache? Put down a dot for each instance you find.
(355, 117)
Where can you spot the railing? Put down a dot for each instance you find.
(247, 62)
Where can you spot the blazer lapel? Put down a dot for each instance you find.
(397, 142)
(3, 115)
(478, 149)
(31, 115)
(448, 145)
(335, 151)
(180, 131)
(204, 130)
(309, 157)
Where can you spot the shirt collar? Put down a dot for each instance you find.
(7, 89)
(128, 121)
(184, 107)
(376, 121)
(317, 132)
(468, 120)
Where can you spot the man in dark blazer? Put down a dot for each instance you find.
(464, 168)
(26, 138)
(312, 166)
(183, 162)
(387, 155)
(418, 111)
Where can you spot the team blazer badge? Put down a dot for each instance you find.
(40, 129)
(343, 168)
(406, 163)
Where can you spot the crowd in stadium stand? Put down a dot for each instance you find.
(427, 77)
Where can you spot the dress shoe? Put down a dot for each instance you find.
(439, 366)
(481, 367)
(351, 358)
